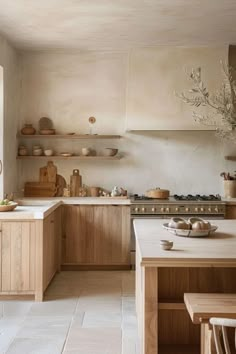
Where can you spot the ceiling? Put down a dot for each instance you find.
(116, 24)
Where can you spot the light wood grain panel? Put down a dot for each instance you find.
(150, 297)
(230, 212)
(50, 250)
(18, 256)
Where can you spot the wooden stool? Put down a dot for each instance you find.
(201, 307)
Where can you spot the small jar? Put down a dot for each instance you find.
(22, 150)
(28, 130)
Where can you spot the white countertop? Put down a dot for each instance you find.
(219, 247)
(40, 208)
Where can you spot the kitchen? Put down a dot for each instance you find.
(125, 87)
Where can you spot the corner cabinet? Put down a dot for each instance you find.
(30, 255)
(96, 236)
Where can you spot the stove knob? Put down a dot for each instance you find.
(196, 209)
(209, 209)
(153, 209)
(186, 209)
(176, 209)
(202, 209)
(136, 209)
(167, 210)
(216, 209)
(143, 209)
(162, 209)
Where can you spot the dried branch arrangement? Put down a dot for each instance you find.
(221, 104)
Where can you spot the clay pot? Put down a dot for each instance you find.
(94, 191)
(230, 189)
(28, 130)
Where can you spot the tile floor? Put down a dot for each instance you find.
(83, 313)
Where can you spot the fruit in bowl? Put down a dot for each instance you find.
(179, 223)
(7, 205)
(199, 224)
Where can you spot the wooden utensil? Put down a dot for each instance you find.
(52, 172)
(75, 183)
(40, 189)
(48, 173)
(60, 185)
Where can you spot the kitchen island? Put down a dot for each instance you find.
(206, 264)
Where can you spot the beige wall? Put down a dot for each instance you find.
(71, 87)
(9, 61)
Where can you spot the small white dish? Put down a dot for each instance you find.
(48, 152)
(166, 244)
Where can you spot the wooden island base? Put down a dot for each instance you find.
(163, 277)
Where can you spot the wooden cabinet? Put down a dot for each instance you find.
(18, 252)
(230, 212)
(29, 255)
(51, 246)
(96, 235)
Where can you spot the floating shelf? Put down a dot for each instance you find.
(231, 158)
(68, 136)
(88, 158)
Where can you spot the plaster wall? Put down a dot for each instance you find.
(70, 87)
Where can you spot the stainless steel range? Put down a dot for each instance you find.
(209, 207)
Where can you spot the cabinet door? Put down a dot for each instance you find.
(112, 234)
(78, 234)
(50, 249)
(17, 250)
(230, 212)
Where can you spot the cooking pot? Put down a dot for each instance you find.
(158, 193)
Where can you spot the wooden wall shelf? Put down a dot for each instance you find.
(86, 158)
(231, 158)
(69, 136)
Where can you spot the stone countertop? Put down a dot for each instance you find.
(218, 248)
(40, 208)
(31, 212)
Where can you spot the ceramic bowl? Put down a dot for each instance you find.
(48, 152)
(86, 151)
(109, 152)
(37, 152)
(166, 244)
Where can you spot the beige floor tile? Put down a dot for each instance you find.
(96, 341)
(102, 320)
(34, 327)
(101, 305)
(16, 308)
(77, 321)
(57, 307)
(36, 346)
(8, 330)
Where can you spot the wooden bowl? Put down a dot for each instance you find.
(109, 152)
(8, 207)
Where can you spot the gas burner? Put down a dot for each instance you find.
(196, 197)
(141, 197)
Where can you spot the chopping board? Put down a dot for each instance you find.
(48, 173)
(75, 183)
(40, 189)
(60, 185)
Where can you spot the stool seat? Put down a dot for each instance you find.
(202, 307)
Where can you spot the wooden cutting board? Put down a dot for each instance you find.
(48, 173)
(60, 185)
(40, 189)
